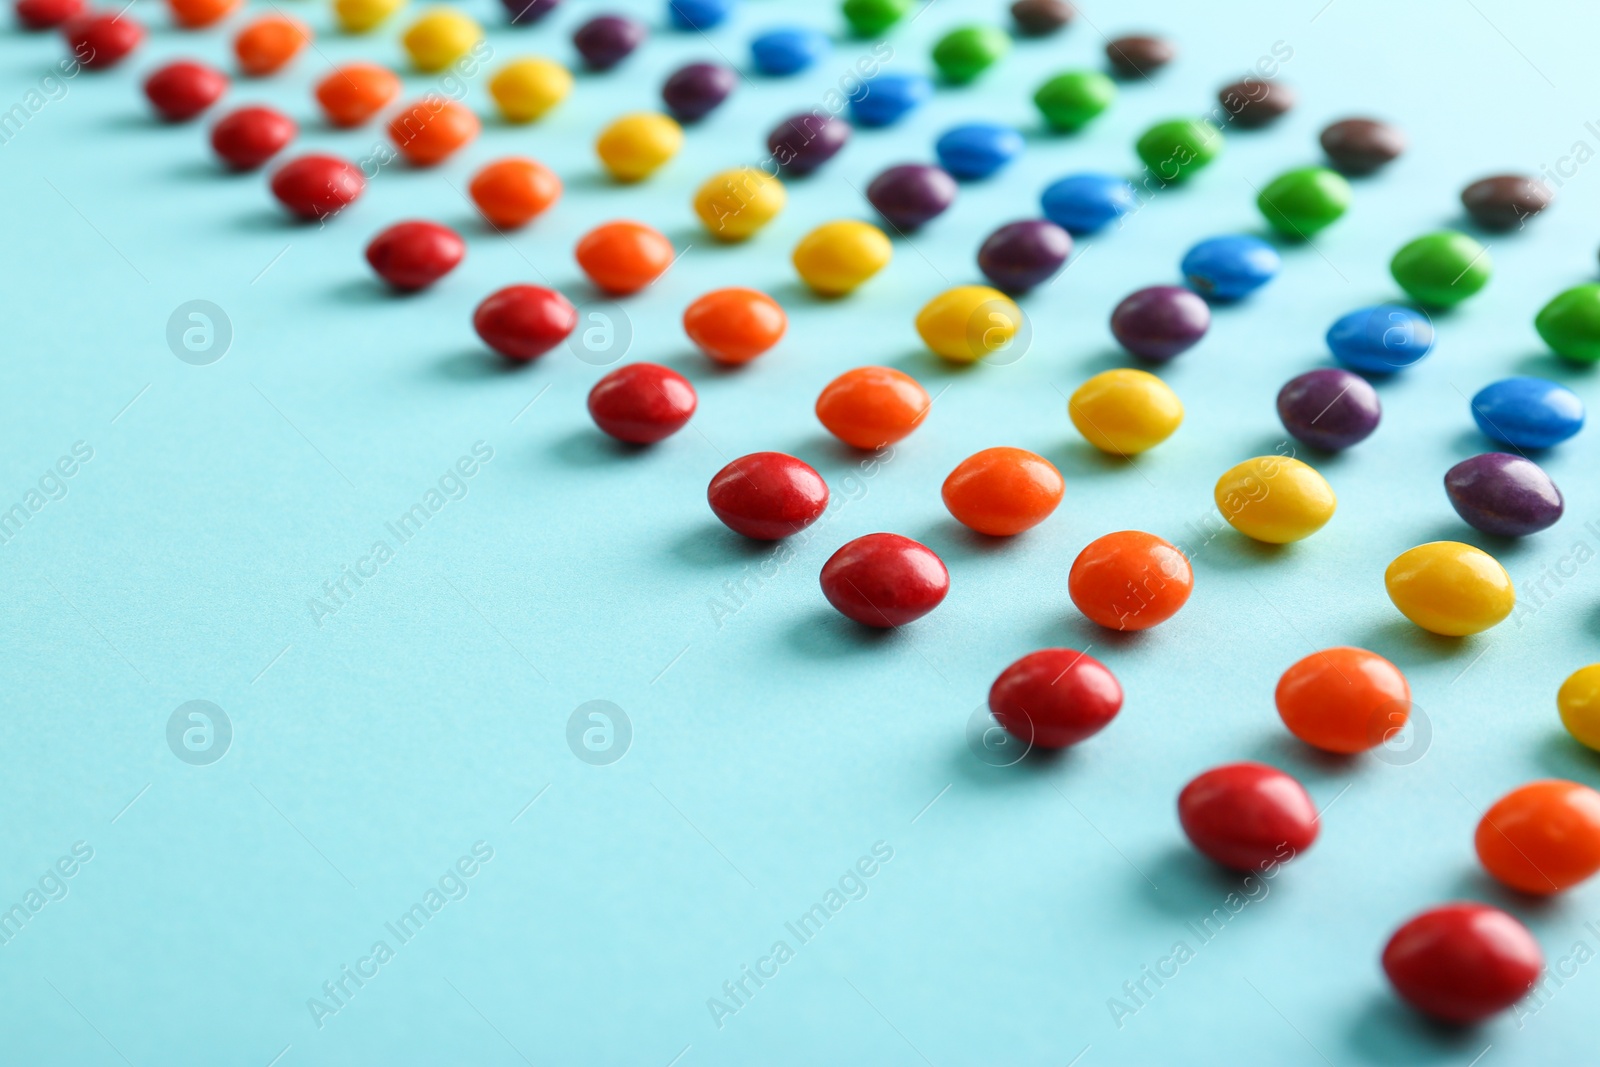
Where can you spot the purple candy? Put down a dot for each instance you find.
(1330, 409)
(693, 92)
(1503, 494)
(527, 12)
(802, 143)
(1021, 255)
(910, 194)
(1160, 322)
(606, 40)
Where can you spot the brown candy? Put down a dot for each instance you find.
(1254, 102)
(1361, 146)
(1036, 18)
(1505, 201)
(1138, 56)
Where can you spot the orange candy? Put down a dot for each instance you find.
(870, 407)
(623, 257)
(511, 192)
(734, 325)
(268, 44)
(354, 93)
(1130, 580)
(1003, 491)
(196, 14)
(1542, 837)
(1344, 700)
(431, 130)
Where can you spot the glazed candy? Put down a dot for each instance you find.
(48, 14)
(101, 39)
(1274, 499)
(1570, 324)
(1021, 255)
(247, 138)
(181, 90)
(1543, 837)
(767, 495)
(1003, 491)
(413, 255)
(887, 97)
(1130, 580)
(432, 130)
(1161, 322)
(1578, 702)
(1138, 55)
(699, 14)
(1328, 408)
(735, 204)
(1070, 100)
(735, 325)
(363, 16)
(1231, 267)
(356, 92)
(1087, 203)
(188, 14)
(1178, 148)
(635, 146)
(884, 580)
(1055, 697)
(523, 322)
(1462, 963)
(440, 37)
(963, 54)
(870, 407)
(1450, 588)
(1502, 494)
(623, 257)
(692, 92)
(1301, 203)
(837, 257)
(789, 50)
(642, 403)
(1343, 700)
(525, 89)
(1381, 339)
(1255, 102)
(513, 192)
(968, 322)
(869, 18)
(1248, 816)
(1361, 146)
(606, 40)
(1505, 201)
(269, 44)
(802, 143)
(1441, 269)
(1124, 412)
(1527, 412)
(317, 186)
(1038, 18)
(977, 149)
(911, 194)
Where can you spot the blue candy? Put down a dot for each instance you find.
(887, 98)
(1527, 412)
(698, 14)
(788, 51)
(1230, 268)
(977, 149)
(1381, 339)
(1084, 203)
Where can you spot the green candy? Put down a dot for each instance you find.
(868, 18)
(1175, 149)
(1570, 323)
(961, 55)
(1441, 269)
(1300, 202)
(1070, 100)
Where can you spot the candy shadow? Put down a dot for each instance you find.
(209, 170)
(370, 291)
(1186, 885)
(1564, 756)
(142, 121)
(589, 448)
(696, 365)
(1115, 359)
(1556, 368)
(1231, 550)
(1474, 883)
(924, 365)
(1081, 459)
(824, 634)
(1386, 1031)
(1073, 629)
(1286, 752)
(1501, 548)
(269, 220)
(1036, 762)
(713, 546)
(827, 452)
(798, 294)
(951, 540)
(1409, 645)
(475, 364)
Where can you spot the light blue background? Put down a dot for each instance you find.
(771, 752)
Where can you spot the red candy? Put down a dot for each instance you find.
(642, 403)
(1055, 697)
(181, 90)
(414, 255)
(44, 14)
(1248, 816)
(100, 39)
(523, 322)
(317, 186)
(884, 580)
(768, 495)
(250, 136)
(1461, 963)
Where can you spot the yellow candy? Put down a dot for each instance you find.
(736, 203)
(1125, 412)
(359, 16)
(526, 88)
(837, 256)
(1274, 499)
(968, 322)
(1450, 588)
(636, 146)
(1579, 704)
(440, 37)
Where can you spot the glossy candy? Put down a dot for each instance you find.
(247, 138)
(1301, 203)
(356, 92)
(869, 18)
(1449, 588)
(1138, 55)
(317, 186)
(1381, 339)
(1255, 102)
(968, 322)
(837, 257)
(1527, 413)
(362, 16)
(1329, 408)
(1361, 146)
(1248, 816)
(642, 403)
(269, 44)
(1441, 269)
(788, 50)
(432, 130)
(699, 14)
(623, 257)
(693, 91)
(414, 255)
(512, 192)
(1543, 837)
(1039, 18)
(198, 14)
(1175, 150)
(523, 322)
(1055, 698)
(1087, 203)
(1274, 499)
(1161, 322)
(802, 143)
(977, 149)
(884, 580)
(734, 325)
(635, 146)
(606, 40)
(1343, 700)
(1071, 100)
(735, 204)
(870, 407)
(1003, 491)
(1130, 580)
(887, 97)
(963, 54)
(183, 89)
(47, 14)
(1230, 267)
(1578, 702)
(1505, 201)
(1021, 255)
(767, 495)
(100, 39)
(525, 89)
(1124, 412)
(1502, 494)
(1570, 323)
(440, 37)
(1462, 963)
(912, 194)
